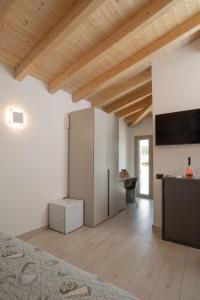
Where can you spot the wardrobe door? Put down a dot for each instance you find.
(113, 154)
(100, 166)
(81, 167)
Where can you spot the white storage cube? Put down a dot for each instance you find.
(66, 215)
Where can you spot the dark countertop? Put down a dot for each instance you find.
(180, 178)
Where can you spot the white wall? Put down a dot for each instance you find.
(33, 160)
(143, 128)
(176, 87)
(124, 139)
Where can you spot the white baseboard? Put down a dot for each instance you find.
(32, 233)
(156, 226)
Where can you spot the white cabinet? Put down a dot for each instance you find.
(66, 215)
(93, 163)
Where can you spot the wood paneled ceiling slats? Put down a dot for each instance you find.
(134, 117)
(128, 111)
(186, 28)
(68, 24)
(123, 89)
(140, 115)
(26, 24)
(136, 113)
(134, 97)
(190, 7)
(5, 8)
(37, 18)
(132, 26)
(100, 50)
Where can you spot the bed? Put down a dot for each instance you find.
(28, 273)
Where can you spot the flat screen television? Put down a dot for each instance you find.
(178, 128)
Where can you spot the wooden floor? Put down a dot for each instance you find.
(126, 252)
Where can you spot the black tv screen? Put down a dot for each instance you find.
(178, 128)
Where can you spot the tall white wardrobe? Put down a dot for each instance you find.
(93, 163)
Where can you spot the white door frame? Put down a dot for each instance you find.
(136, 165)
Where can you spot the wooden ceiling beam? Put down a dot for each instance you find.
(78, 13)
(132, 117)
(132, 108)
(136, 111)
(181, 31)
(5, 9)
(136, 96)
(140, 116)
(135, 24)
(120, 90)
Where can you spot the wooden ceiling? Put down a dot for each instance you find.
(99, 50)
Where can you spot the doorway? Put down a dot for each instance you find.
(144, 165)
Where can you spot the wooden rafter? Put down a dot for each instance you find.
(132, 108)
(140, 116)
(149, 114)
(136, 96)
(5, 9)
(181, 31)
(135, 24)
(133, 116)
(136, 111)
(121, 90)
(79, 12)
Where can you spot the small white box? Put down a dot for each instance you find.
(66, 215)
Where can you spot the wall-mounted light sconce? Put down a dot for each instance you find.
(16, 118)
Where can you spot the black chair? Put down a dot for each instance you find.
(130, 185)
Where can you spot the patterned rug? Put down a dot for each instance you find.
(28, 273)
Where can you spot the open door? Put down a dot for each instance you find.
(144, 165)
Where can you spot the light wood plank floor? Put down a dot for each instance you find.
(126, 252)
